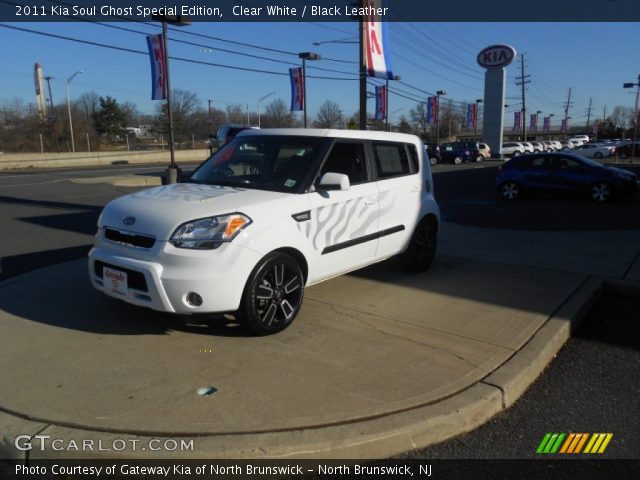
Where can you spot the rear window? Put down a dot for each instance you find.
(391, 159)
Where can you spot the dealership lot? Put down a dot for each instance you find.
(480, 312)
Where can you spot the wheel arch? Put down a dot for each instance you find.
(298, 256)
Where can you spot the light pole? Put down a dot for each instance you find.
(259, 100)
(386, 107)
(438, 94)
(549, 133)
(67, 82)
(635, 116)
(475, 127)
(210, 125)
(173, 171)
(537, 119)
(306, 56)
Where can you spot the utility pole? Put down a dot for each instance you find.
(522, 82)
(566, 114)
(363, 73)
(588, 115)
(209, 121)
(604, 114)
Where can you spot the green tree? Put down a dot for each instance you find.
(110, 119)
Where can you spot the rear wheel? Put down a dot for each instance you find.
(273, 295)
(623, 155)
(422, 246)
(600, 192)
(433, 161)
(597, 155)
(479, 158)
(510, 190)
(457, 160)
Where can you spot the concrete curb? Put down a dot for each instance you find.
(379, 437)
(121, 180)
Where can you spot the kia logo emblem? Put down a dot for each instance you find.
(129, 220)
(496, 56)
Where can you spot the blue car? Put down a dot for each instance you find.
(563, 173)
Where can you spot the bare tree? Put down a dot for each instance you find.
(329, 116)
(621, 117)
(418, 116)
(277, 115)
(236, 113)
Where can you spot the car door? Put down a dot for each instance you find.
(567, 174)
(343, 224)
(396, 170)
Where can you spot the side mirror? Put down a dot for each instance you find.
(334, 181)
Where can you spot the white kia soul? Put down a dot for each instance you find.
(271, 212)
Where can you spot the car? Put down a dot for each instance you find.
(226, 133)
(433, 152)
(512, 148)
(549, 146)
(271, 213)
(592, 150)
(456, 152)
(625, 151)
(566, 145)
(557, 144)
(484, 150)
(538, 147)
(581, 138)
(563, 173)
(528, 147)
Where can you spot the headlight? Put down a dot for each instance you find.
(208, 233)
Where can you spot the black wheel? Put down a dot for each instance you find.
(433, 161)
(479, 158)
(515, 154)
(273, 295)
(510, 190)
(623, 155)
(600, 192)
(422, 246)
(457, 160)
(597, 155)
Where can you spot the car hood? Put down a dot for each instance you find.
(621, 171)
(159, 211)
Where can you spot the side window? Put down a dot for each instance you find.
(413, 155)
(391, 159)
(347, 158)
(538, 162)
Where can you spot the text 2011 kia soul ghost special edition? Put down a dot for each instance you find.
(271, 212)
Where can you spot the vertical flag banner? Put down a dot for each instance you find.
(563, 126)
(297, 88)
(517, 120)
(533, 122)
(432, 110)
(546, 124)
(158, 67)
(41, 103)
(596, 124)
(472, 115)
(376, 39)
(381, 102)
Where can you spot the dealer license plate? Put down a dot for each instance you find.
(114, 280)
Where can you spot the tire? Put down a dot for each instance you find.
(457, 160)
(600, 192)
(433, 161)
(479, 158)
(422, 247)
(623, 156)
(510, 190)
(272, 296)
(515, 154)
(597, 155)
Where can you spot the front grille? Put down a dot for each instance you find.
(133, 239)
(135, 280)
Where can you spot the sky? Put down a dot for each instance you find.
(593, 59)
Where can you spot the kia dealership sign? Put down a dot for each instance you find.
(496, 56)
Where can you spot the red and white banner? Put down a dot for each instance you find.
(297, 88)
(381, 102)
(377, 61)
(158, 67)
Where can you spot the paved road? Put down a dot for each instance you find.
(592, 386)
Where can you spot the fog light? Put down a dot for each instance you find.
(194, 299)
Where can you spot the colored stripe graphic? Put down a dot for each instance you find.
(573, 443)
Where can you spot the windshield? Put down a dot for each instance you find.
(279, 163)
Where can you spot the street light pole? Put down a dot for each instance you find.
(537, 120)
(438, 93)
(209, 122)
(67, 82)
(635, 116)
(475, 128)
(306, 56)
(259, 100)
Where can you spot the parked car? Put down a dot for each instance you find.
(538, 147)
(566, 145)
(484, 150)
(558, 144)
(592, 150)
(226, 133)
(581, 138)
(455, 152)
(549, 146)
(563, 173)
(624, 151)
(270, 213)
(528, 147)
(433, 151)
(512, 148)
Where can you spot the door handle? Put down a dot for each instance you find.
(369, 201)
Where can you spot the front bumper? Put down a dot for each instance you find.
(162, 278)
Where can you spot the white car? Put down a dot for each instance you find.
(592, 150)
(549, 146)
(271, 212)
(512, 148)
(528, 147)
(538, 147)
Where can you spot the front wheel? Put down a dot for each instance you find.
(600, 192)
(479, 158)
(433, 161)
(422, 246)
(273, 295)
(458, 160)
(510, 190)
(597, 155)
(623, 155)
